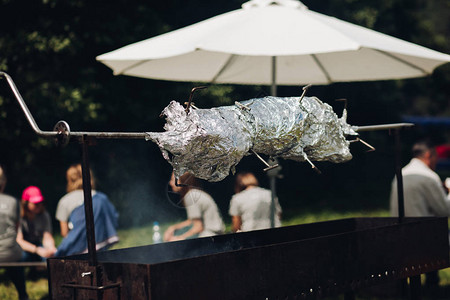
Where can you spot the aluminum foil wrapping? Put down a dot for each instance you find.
(210, 142)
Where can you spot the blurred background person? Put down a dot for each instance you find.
(423, 190)
(203, 216)
(106, 217)
(447, 186)
(443, 153)
(74, 197)
(35, 231)
(250, 206)
(9, 248)
(424, 194)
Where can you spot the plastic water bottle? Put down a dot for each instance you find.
(156, 237)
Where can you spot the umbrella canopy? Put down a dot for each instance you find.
(273, 42)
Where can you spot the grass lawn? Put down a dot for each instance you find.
(38, 288)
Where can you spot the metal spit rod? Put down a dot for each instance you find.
(382, 127)
(136, 135)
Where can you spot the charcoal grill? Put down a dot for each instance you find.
(295, 262)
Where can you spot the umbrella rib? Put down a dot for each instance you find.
(316, 59)
(403, 61)
(225, 65)
(132, 66)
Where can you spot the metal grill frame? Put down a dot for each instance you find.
(296, 262)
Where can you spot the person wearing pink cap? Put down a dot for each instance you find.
(35, 232)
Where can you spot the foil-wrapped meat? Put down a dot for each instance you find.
(210, 142)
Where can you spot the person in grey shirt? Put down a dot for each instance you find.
(9, 248)
(250, 208)
(424, 194)
(203, 216)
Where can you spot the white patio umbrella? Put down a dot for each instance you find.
(273, 42)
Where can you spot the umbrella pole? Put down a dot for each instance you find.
(273, 88)
(273, 92)
(273, 174)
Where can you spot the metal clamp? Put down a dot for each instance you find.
(188, 105)
(269, 167)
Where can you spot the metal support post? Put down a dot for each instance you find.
(398, 175)
(88, 209)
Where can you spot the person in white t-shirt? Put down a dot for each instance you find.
(73, 198)
(250, 208)
(203, 216)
